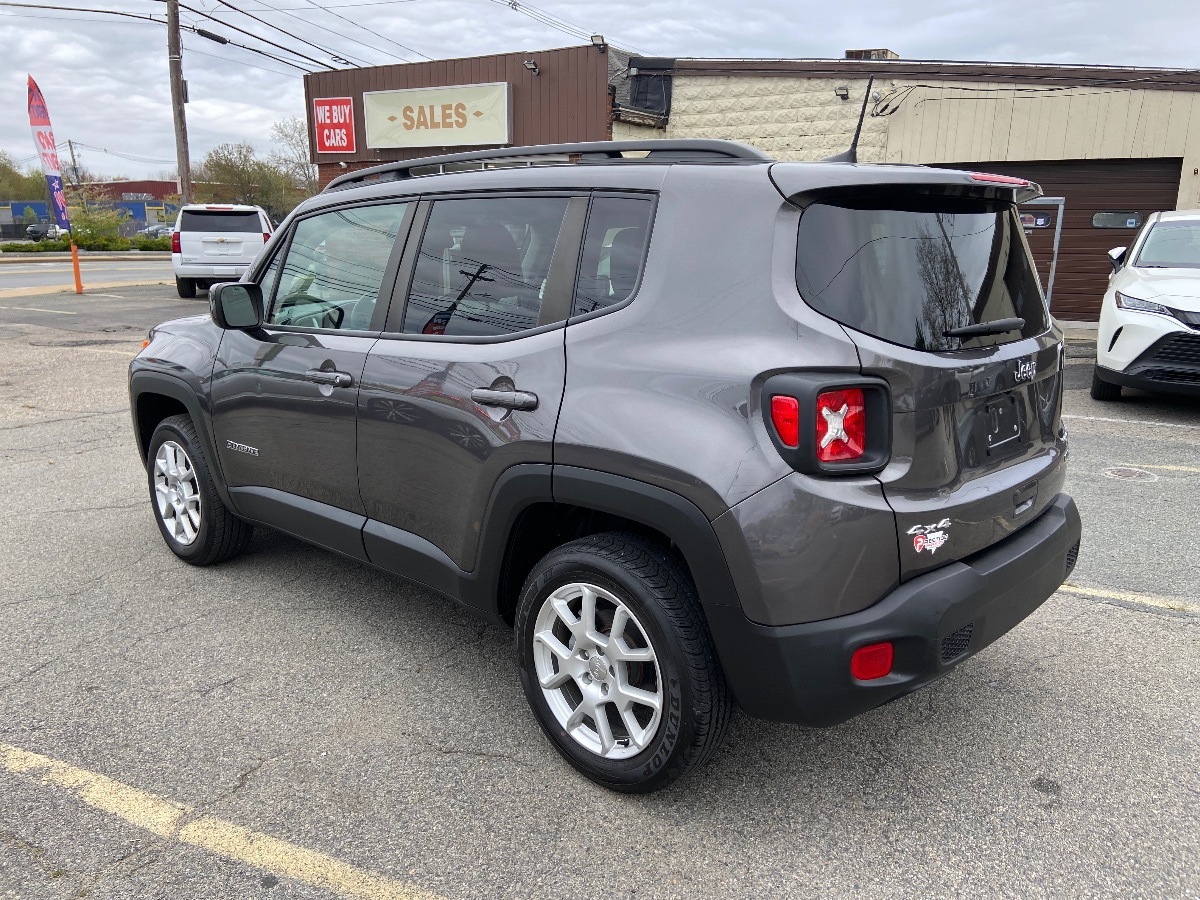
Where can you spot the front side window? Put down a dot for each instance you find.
(334, 265)
(614, 247)
(483, 265)
(1171, 245)
(918, 269)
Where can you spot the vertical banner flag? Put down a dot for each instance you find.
(43, 136)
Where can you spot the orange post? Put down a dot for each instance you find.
(75, 266)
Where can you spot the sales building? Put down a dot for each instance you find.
(1115, 143)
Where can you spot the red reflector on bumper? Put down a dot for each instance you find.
(785, 416)
(872, 661)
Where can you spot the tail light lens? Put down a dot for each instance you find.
(829, 423)
(175, 242)
(266, 237)
(841, 425)
(989, 178)
(785, 416)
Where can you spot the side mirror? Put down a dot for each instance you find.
(236, 305)
(1116, 256)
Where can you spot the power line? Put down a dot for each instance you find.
(244, 64)
(347, 37)
(294, 37)
(368, 30)
(297, 53)
(556, 22)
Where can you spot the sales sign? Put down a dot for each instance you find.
(43, 137)
(456, 116)
(333, 124)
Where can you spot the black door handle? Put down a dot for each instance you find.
(321, 376)
(506, 399)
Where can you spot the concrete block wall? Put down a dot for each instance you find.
(789, 118)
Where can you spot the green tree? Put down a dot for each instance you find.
(17, 185)
(232, 173)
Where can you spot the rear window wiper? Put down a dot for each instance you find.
(997, 326)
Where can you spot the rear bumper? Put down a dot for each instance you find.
(801, 673)
(231, 272)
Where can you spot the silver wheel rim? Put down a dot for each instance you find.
(176, 493)
(598, 671)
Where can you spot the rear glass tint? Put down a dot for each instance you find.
(912, 272)
(223, 221)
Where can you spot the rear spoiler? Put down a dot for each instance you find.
(805, 183)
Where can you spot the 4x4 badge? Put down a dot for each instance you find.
(930, 537)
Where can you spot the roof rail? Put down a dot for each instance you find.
(587, 152)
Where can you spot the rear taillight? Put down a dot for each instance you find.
(175, 242)
(825, 423)
(841, 425)
(785, 416)
(266, 237)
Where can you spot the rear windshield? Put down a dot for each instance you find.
(912, 272)
(1171, 245)
(217, 220)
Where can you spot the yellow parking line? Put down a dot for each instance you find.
(175, 821)
(1129, 597)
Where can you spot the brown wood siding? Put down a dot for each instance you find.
(566, 101)
(1089, 186)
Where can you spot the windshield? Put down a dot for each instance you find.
(922, 267)
(1171, 245)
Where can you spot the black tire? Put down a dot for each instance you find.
(186, 287)
(1103, 390)
(220, 535)
(656, 589)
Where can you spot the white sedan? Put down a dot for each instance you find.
(1149, 334)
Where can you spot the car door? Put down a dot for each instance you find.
(467, 379)
(284, 396)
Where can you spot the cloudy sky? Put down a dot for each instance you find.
(105, 77)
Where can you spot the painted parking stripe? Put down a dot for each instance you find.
(57, 312)
(176, 822)
(1170, 468)
(1132, 421)
(1153, 600)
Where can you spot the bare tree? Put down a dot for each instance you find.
(291, 155)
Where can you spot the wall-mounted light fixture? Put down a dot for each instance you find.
(599, 43)
(532, 66)
(842, 91)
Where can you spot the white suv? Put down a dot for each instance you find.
(1149, 335)
(215, 242)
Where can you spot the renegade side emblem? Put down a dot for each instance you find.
(1025, 371)
(241, 448)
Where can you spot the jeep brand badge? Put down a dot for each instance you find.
(930, 537)
(1025, 371)
(241, 448)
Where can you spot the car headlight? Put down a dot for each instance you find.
(1124, 301)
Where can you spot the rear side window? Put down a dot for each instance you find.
(483, 265)
(614, 247)
(910, 273)
(225, 221)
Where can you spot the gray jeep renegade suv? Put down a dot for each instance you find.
(703, 427)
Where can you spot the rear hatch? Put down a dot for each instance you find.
(908, 270)
(220, 237)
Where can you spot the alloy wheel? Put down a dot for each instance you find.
(177, 492)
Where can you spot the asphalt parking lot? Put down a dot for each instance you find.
(291, 724)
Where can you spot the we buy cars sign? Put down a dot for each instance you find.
(333, 124)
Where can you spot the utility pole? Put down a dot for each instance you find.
(178, 98)
(74, 165)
